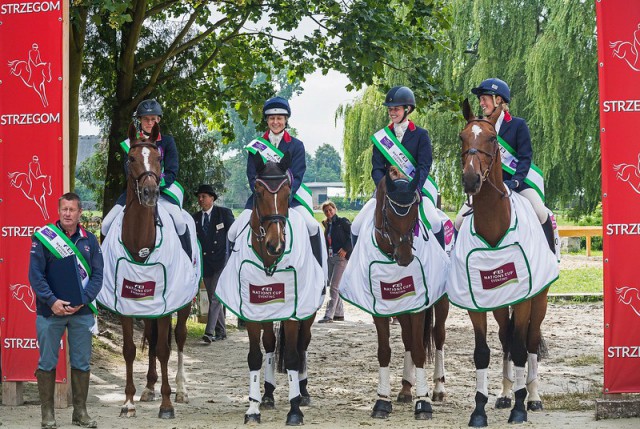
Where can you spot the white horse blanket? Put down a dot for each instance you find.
(484, 278)
(167, 281)
(378, 285)
(295, 290)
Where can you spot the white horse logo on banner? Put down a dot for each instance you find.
(630, 296)
(24, 294)
(629, 173)
(33, 72)
(33, 184)
(628, 51)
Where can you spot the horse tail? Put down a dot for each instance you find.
(428, 338)
(280, 343)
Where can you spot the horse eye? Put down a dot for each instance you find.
(131, 159)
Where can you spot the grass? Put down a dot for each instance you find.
(581, 280)
(573, 401)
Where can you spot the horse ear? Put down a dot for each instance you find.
(389, 183)
(155, 132)
(258, 162)
(132, 133)
(466, 110)
(285, 162)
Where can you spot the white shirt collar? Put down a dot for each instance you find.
(499, 121)
(208, 212)
(400, 129)
(275, 138)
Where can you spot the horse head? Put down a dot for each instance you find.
(271, 207)
(143, 164)
(480, 151)
(396, 215)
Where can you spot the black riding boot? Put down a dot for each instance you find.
(547, 227)
(316, 247)
(185, 241)
(440, 237)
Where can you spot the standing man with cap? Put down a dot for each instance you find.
(212, 225)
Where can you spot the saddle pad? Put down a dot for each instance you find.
(137, 285)
(397, 290)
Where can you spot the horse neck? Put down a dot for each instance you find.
(491, 210)
(138, 226)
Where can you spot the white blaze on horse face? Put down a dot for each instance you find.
(145, 153)
(476, 130)
(275, 203)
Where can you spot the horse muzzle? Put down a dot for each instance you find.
(149, 196)
(471, 182)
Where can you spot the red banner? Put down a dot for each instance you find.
(31, 165)
(618, 23)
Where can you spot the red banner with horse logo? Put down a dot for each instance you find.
(31, 165)
(618, 23)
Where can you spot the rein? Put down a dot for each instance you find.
(388, 226)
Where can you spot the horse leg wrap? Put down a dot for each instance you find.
(422, 389)
(384, 382)
(520, 381)
(270, 369)
(507, 379)
(482, 382)
(438, 368)
(534, 401)
(294, 384)
(409, 369)
(532, 367)
(254, 386)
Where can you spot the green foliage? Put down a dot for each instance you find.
(582, 280)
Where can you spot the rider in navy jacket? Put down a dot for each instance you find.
(298, 165)
(516, 132)
(88, 245)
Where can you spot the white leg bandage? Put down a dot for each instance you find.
(384, 382)
(409, 369)
(521, 377)
(422, 389)
(270, 369)
(482, 381)
(254, 387)
(294, 384)
(507, 378)
(532, 377)
(438, 368)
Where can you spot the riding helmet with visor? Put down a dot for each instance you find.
(276, 106)
(148, 108)
(493, 86)
(400, 96)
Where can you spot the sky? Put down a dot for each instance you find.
(312, 112)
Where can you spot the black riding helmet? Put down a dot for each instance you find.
(401, 96)
(147, 108)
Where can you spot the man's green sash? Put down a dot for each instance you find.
(61, 247)
(175, 190)
(389, 145)
(271, 153)
(534, 178)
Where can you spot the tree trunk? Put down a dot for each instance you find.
(77, 34)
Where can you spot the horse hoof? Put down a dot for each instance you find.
(147, 395)
(166, 414)
(518, 416)
(295, 419)
(251, 418)
(268, 403)
(534, 406)
(423, 410)
(182, 398)
(503, 402)
(127, 412)
(438, 396)
(404, 398)
(478, 420)
(381, 409)
(305, 401)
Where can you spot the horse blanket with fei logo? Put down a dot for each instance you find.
(376, 284)
(521, 265)
(294, 288)
(167, 281)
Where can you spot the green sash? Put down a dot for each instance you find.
(534, 178)
(175, 190)
(389, 145)
(271, 153)
(61, 247)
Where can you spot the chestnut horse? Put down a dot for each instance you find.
(395, 222)
(138, 236)
(519, 331)
(268, 238)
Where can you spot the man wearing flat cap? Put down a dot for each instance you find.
(212, 224)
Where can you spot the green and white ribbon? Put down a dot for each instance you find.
(271, 153)
(389, 145)
(61, 247)
(175, 190)
(534, 178)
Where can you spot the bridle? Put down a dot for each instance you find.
(474, 152)
(142, 177)
(400, 210)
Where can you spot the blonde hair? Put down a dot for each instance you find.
(329, 203)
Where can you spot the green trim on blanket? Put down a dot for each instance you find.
(511, 229)
(115, 277)
(143, 317)
(545, 287)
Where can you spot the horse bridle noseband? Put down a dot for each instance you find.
(387, 226)
(273, 218)
(145, 174)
